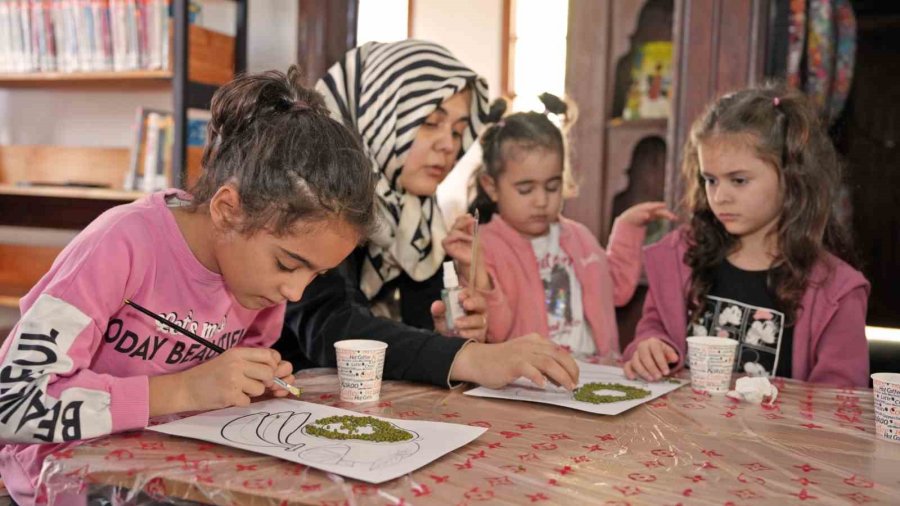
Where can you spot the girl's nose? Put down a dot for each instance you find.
(294, 291)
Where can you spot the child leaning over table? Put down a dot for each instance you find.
(286, 194)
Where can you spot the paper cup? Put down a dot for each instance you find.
(360, 364)
(711, 360)
(886, 390)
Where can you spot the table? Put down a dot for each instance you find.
(816, 445)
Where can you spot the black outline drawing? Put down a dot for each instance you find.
(263, 429)
(286, 429)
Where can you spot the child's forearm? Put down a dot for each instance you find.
(168, 395)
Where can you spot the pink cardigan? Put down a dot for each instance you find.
(829, 337)
(516, 304)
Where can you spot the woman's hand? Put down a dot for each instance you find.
(231, 379)
(473, 325)
(458, 245)
(651, 360)
(531, 356)
(640, 215)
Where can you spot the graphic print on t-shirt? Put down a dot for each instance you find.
(558, 294)
(758, 331)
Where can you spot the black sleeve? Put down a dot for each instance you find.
(333, 308)
(416, 298)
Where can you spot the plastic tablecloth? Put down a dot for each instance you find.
(815, 445)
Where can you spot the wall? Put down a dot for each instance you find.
(471, 29)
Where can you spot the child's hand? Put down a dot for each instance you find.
(651, 360)
(232, 378)
(283, 371)
(471, 326)
(531, 356)
(458, 244)
(641, 214)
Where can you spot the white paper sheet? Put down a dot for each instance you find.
(524, 390)
(278, 427)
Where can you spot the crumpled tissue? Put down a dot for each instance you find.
(754, 389)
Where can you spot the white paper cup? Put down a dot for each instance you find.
(886, 391)
(360, 364)
(711, 360)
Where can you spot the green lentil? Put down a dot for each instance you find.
(585, 393)
(384, 432)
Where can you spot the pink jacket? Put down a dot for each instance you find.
(516, 305)
(829, 336)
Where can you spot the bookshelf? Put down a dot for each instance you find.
(199, 61)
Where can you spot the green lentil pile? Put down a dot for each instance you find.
(383, 432)
(586, 393)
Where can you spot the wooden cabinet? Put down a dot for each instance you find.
(719, 45)
(200, 61)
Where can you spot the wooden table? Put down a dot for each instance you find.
(815, 446)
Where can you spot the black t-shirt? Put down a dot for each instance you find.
(740, 306)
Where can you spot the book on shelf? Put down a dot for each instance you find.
(197, 121)
(84, 35)
(150, 167)
(649, 94)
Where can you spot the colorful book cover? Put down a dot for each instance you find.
(649, 94)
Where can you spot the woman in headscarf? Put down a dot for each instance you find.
(416, 108)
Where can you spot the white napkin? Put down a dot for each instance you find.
(754, 389)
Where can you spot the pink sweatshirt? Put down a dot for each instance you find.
(516, 305)
(76, 366)
(830, 344)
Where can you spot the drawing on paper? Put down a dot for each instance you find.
(354, 445)
(604, 390)
(277, 430)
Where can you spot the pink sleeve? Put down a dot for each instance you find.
(266, 329)
(623, 254)
(48, 393)
(500, 313)
(841, 355)
(650, 325)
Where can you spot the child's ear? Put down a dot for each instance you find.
(489, 185)
(225, 208)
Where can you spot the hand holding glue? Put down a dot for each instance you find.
(754, 389)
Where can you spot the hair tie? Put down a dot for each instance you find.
(501, 123)
(776, 101)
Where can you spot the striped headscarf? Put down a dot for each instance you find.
(385, 91)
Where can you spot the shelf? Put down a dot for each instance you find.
(71, 192)
(123, 78)
(11, 301)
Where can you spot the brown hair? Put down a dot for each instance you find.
(517, 132)
(784, 129)
(275, 140)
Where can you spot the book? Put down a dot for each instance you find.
(150, 165)
(649, 94)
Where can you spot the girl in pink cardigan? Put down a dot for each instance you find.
(759, 260)
(541, 272)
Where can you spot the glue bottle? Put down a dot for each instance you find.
(450, 295)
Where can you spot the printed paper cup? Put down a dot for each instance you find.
(886, 390)
(360, 364)
(711, 360)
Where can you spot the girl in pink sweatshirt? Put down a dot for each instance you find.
(544, 273)
(760, 259)
(286, 194)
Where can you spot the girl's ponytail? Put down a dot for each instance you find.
(490, 149)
